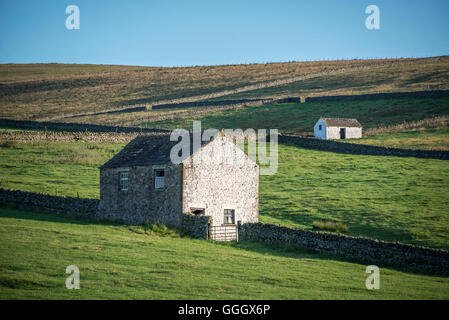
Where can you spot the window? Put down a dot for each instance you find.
(124, 180)
(159, 178)
(320, 127)
(229, 216)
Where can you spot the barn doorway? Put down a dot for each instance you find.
(342, 133)
(198, 211)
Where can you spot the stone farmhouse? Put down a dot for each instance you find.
(141, 184)
(337, 128)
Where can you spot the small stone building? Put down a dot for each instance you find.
(337, 128)
(141, 184)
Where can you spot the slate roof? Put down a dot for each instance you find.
(341, 122)
(146, 150)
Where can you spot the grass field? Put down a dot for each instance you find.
(424, 139)
(63, 168)
(390, 198)
(121, 262)
(301, 117)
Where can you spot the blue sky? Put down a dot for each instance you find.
(209, 32)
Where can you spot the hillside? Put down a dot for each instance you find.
(54, 91)
(425, 74)
(151, 262)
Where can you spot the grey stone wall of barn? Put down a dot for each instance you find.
(142, 202)
(365, 250)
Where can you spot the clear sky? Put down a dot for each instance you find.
(209, 32)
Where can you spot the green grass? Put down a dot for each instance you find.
(116, 262)
(389, 198)
(301, 117)
(424, 138)
(63, 168)
(330, 226)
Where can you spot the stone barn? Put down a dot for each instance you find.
(337, 128)
(141, 184)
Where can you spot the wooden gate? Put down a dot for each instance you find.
(223, 233)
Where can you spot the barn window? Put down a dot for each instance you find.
(320, 127)
(159, 178)
(229, 216)
(124, 180)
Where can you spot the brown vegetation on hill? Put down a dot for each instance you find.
(45, 91)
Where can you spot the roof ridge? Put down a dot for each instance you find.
(341, 122)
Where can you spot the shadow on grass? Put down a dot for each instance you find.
(38, 215)
(289, 251)
(12, 211)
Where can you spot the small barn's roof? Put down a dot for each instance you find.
(341, 122)
(147, 150)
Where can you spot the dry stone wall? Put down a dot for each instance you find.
(72, 127)
(94, 137)
(196, 226)
(360, 149)
(67, 206)
(385, 95)
(365, 250)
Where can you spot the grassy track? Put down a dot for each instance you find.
(403, 199)
(120, 262)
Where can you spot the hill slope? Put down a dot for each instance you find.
(47, 91)
(121, 262)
